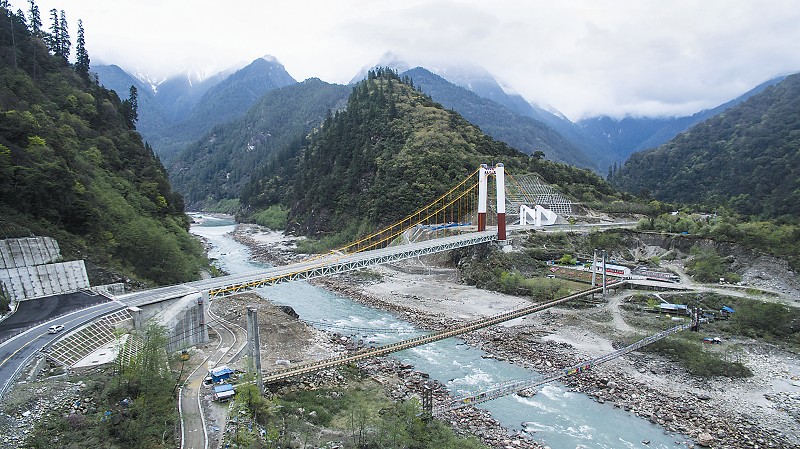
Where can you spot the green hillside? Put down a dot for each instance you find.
(521, 132)
(218, 165)
(747, 158)
(73, 167)
(390, 152)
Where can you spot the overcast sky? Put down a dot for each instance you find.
(582, 57)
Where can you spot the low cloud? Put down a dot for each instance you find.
(582, 57)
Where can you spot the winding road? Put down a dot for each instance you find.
(194, 428)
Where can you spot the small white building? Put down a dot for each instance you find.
(616, 270)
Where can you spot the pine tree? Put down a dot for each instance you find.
(134, 103)
(35, 22)
(81, 55)
(130, 108)
(53, 41)
(35, 25)
(10, 16)
(66, 44)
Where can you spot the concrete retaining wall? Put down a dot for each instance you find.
(183, 319)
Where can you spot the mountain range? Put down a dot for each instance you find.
(178, 111)
(177, 117)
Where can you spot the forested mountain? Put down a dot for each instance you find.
(390, 152)
(183, 109)
(218, 165)
(521, 132)
(747, 157)
(234, 95)
(612, 140)
(152, 115)
(474, 93)
(73, 166)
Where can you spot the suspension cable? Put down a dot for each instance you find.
(413, 218)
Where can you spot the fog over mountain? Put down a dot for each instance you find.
(584, 58)
(179, 110)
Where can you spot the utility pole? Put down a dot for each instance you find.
(604, 273)
(254, 346)
(696, 312)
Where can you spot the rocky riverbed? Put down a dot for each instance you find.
(645, 385)
(760, 412)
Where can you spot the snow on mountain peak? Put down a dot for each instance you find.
(270, 58)
(153, 83)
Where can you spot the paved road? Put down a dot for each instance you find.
(36, 311)
(17, 352)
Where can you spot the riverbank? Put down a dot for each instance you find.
(721, 413)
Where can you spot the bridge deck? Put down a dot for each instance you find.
(328, 265)
(519, 385)
(418, 341)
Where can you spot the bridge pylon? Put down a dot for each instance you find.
(500, 182)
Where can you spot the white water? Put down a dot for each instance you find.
(555, 416)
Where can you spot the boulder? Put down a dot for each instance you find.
(705, 439)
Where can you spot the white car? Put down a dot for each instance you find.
(55, 329)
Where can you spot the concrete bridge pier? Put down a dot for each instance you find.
(136, 315)
(202, 304)
(183, 317)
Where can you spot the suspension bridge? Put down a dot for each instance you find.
(469, 326)
(512, 387)
(467, 202)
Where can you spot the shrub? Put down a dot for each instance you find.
(766, 319)
(708, 266)
(273, 217)
(696, 361)
(567, 259)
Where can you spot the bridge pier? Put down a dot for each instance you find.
(136, 314)
(483, 180)
(254, 346)
(202, 304)
(183, 316)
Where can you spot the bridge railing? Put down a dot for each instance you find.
(336, 264)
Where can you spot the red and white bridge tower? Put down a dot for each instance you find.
(500, 180)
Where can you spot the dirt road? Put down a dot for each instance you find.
(194, 425)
